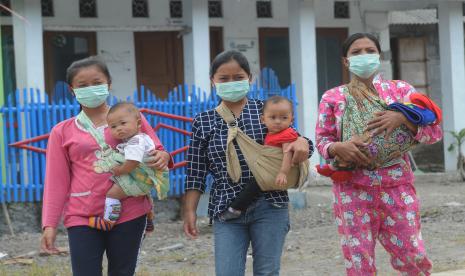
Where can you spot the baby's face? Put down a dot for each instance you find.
(123, 124)
(277, 116)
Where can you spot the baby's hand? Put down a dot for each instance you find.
(116, 170)
(281, 179)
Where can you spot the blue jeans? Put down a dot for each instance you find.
(263, 224)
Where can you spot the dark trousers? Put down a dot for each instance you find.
(247, 196)
(122, 245)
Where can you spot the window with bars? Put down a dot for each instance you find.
(7, 4)
(175, 9)
(88, 8)
(215, 8)
(264, 9)
(140, 8)
(341, 9)
(47, 8)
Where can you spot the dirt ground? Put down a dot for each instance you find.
(312, 245)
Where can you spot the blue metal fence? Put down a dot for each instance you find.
(29, 113)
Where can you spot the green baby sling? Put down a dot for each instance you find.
(263, 161)
(137, 183)
(362, 104)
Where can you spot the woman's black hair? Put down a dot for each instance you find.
(74, 68)
(226, 57)
(351, 39)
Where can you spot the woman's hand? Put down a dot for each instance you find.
(349, 152)
(300, 148)
(158, 160)
(47, 242)
(386, 121)
(190, 224)
(191, 200)
(116, 170)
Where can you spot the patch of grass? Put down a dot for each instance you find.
(34, 270)
(460, 239)
(442, 267)
(144, 271)
(171, 257)
(431, 213)
(179, 257)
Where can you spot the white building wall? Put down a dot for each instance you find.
(240, 23)
(120, 58)
(114, 27)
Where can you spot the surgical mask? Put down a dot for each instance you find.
(364, 65)
(232, 91)
(92, 96)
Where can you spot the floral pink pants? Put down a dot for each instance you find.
(391, 215)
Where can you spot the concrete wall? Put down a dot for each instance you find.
(120, 60)
(430, 33)
(240, 22)
(115, 25)
(428, 157)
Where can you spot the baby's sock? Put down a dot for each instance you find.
(100, 223)
(149, 227)
(112, 209)
(324, 170)
(341, 176)
(336, 175)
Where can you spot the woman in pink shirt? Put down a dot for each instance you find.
(379, 201)
(76, 185)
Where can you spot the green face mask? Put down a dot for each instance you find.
(91, 96)
(232, 91)
(365, 65)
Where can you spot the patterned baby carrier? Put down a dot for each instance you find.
(263, 161)
(137, 183)
(361, 105)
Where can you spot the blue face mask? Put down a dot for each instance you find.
(364, 66)
(232, 91)
(91, 96)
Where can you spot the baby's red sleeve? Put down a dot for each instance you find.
(277, 139)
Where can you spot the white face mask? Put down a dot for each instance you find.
(92, 96)
(365, 65)
(232, 91)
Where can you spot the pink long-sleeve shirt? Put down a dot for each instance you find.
(72, 188)
(328, 131)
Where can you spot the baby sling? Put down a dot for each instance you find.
(362, 104)
(263, 161)
(137, 183)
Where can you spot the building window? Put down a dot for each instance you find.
(88, 8)
(140, 8)
(341, 9)
(4, 12)
(215, 8)
(47, 8)
(175, 9)
(264, 9)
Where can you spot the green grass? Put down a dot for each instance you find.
(143, 271)
(34, 270)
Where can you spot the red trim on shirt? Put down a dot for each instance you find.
(278, 139)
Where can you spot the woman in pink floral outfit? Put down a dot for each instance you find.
(379, 202)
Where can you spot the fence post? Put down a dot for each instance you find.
(2, 147)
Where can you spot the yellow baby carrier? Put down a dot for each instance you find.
(137, 183)
(263, 161)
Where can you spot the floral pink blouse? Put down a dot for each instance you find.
(328, 130)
